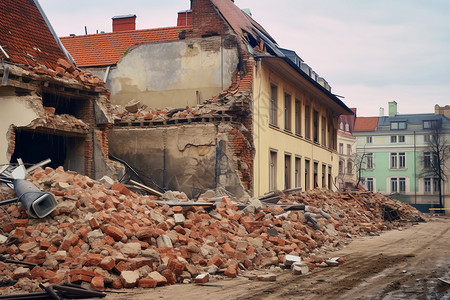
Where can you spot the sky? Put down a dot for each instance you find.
(370, 52)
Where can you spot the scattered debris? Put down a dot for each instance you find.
(107, 236)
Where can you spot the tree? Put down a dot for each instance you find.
(436, 158)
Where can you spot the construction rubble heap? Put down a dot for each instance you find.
(110, 237)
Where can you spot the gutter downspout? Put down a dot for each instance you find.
(52, 31)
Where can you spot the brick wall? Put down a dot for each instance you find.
(243, 153)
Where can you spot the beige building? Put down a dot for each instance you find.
(224, 105)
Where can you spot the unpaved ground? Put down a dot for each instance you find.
(398, 264)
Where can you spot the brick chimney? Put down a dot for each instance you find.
(184, 18)
(124, 23)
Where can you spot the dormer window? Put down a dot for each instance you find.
(431, 124)
(399, 125)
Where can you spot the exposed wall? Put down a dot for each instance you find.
(17, 112)
(189, 158)
(183, 71)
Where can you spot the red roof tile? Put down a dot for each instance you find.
(345, 135)
(25, 36)
(108, 48)
(366, 124)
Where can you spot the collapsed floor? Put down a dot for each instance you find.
(111, 237)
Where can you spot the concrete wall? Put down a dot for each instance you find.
(14, 111)
(169, 74)
(189, 158)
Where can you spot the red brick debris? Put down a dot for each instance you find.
(115, 238)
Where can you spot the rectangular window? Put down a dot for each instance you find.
(393, 139)
(394, 164)
(402, 160)
(427, 160)
(402, 185)
(435, 185)
(349, 167)
(341, 148)
(307, 166)
(427, 185)
(273, 171)
(394, 185)
(316, 175)
(398, 185)
(298, 168)
(369, 140)
(398, 160)
(426, 138)
(369, 184)
(307, 122)
(298, 117)
(330, 180)
(400, 125)
(273, 105)
(401, 138)
(324, 174)
(369, 160)
(324, 130)
(341, 167)
(316, 126)
(349, 149)
(431, 124)
(287, 172)
(287, 112)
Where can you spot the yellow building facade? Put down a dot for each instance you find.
(295, 130)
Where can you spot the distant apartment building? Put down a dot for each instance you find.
(398, 158)
(347, 175)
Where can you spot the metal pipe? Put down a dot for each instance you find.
(4, 52)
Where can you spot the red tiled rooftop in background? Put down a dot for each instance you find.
(105, 49)
(366, 124)
(345, 134)
(25, 37)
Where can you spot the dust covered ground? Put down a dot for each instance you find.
(403, 263)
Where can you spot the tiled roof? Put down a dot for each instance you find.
(345, 134)
(108, 48)
(24, 35)
(366, 124)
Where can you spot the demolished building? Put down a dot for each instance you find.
(49, 108)
(223, 105)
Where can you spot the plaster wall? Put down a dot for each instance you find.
(189, 158)
(268, 137)
(14, 111)
(173, 74)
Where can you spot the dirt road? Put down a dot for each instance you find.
(399, 264)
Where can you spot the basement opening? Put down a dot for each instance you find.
(33, 147)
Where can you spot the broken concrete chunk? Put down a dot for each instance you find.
(163, 241)
(129, 278)
(256, 203)
(299, 268)
(133, 106)
(202, 278)
(332, 262)
(107, 181)
(266, 277)
(291, 259)
(179, 219)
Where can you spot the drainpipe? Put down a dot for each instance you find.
(106, 74)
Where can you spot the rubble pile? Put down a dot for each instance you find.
(111, 237)
(66, 69)
(135, 111)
